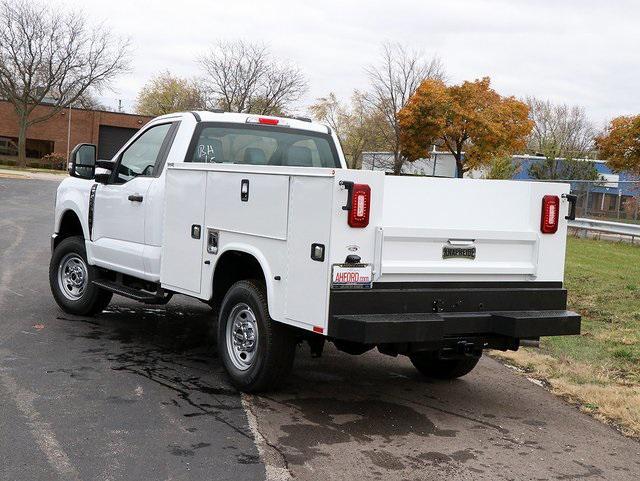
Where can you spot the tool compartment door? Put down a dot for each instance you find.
(181, 263)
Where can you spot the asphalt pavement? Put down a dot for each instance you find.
(137, 393)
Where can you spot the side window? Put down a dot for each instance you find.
(141, 156)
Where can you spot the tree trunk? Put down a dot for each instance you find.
(397, 163)
(22, 144)
(459, 167)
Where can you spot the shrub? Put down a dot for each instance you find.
(54, 161)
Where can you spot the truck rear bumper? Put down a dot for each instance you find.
(403, 328)
(496, 314)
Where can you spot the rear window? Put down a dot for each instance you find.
(262, 145)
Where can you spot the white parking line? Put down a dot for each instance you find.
(274, 463)
(40, 430)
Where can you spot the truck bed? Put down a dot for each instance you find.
(413, 221)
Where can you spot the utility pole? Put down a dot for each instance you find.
(68, 135)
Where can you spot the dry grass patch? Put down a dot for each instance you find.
(598, 391)
(600, 369)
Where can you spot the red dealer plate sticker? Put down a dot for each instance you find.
(351, 276)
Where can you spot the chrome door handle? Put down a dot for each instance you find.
(135, 198)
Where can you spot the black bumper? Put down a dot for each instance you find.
(438, 313)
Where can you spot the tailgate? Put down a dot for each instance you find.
(469, 230)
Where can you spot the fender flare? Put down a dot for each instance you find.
(262, 261)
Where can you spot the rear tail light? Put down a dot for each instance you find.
(360, 205)
(550, 214)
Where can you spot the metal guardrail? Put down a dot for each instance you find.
(606, 227)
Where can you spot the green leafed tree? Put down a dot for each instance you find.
(357, 125)
(167, 93)
(502, 168)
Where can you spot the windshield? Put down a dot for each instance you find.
(261, 145)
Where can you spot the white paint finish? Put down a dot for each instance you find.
(182, 254)
(419, 251)
(289, 208)
(129, 259)
(310, 202)
(342, 235)
(256, 169)
(502, 218)
(155, 201)
(270, 254)
(151, 255)
(73, 196)
(263, 214)
(118, 225)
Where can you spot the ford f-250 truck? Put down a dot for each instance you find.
(259, 217)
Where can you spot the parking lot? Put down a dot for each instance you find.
(137, 393)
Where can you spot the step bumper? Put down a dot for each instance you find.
(432, 327)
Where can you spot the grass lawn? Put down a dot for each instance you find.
(32, 169)
(599, 370)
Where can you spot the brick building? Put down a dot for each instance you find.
(108, 130)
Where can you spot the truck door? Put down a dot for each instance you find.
(118, 231)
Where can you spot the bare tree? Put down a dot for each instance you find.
(52, 55)
(393, 81)
(562, 134)
(244, 77)
(560, 130)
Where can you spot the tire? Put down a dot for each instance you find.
(428, 364)
(71, 280)
(256, 351)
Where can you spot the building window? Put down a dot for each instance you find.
(36, 149)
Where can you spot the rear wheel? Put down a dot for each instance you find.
(71, 280)
(430, 365)
(257, 352)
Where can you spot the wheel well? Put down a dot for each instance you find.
(70, 226)
(234, 266)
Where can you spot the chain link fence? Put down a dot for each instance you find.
(615, 200)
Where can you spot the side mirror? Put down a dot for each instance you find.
(104, 175)
(82, 161)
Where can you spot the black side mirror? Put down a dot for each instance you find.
(103, 177)
(82, 161)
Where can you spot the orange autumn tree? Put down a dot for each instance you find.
(471, 120)
(620, 144)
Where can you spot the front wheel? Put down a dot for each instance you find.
(430, 365)
(257, 352)
(71, 280)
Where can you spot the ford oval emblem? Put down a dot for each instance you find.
(352, 248)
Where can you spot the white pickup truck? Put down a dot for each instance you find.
(259, 217)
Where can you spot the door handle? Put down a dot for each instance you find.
(135, 198)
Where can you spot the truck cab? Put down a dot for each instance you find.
(259, 217)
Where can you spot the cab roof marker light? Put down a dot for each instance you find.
(266, 121)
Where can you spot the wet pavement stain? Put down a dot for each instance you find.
(384, 459)
(248, 459)
(165, 346)
(346, 421)
(361, 420)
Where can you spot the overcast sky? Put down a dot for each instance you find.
(578, 52)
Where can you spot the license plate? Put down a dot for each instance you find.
(351, 276)
(458, 252)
